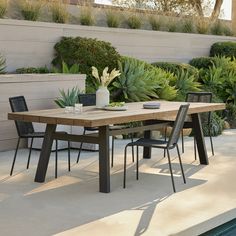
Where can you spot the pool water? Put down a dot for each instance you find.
(227, 229)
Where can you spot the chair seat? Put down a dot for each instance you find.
(39, 134)
(149, 143)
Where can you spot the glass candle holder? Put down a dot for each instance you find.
(78, 108)
(69, 109)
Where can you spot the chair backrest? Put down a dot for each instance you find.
(88, 99)
(178, 125)
(18, 104)
(201, 97)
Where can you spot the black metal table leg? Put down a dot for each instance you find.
(104, 160)
(147, 151)
(197, 126)
(45, 153)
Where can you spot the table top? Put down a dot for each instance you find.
(92, 116)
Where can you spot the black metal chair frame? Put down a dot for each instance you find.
(89, 99)
(198, 98)
(26, 130)
(162, 144)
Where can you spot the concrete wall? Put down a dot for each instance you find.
(26, 43)
(39, 91)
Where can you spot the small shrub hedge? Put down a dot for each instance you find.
(32, 70)
(86, 52)
(202, 62)
(227, 49)
(176, 68)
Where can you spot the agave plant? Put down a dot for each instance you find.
(2, 65)
(68, 98)
(185, 83)
(140, 81)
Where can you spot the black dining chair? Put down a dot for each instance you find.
(89, 99)
(26, 130)
(171, 143)
(205, 97)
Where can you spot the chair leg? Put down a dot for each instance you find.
(195, 148)
(80, 148)
(171, 172)
(30, 150)
(182, 138)
(132, 140)
(68, 155)
(56, 157)
(180, 162)
(165, 140)
(125, 158)
(212, 148)
(14, 159)
(137, 164)
(112, 151)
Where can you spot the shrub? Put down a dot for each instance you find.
(59, 11)
(227, 49)
(134, 22)
(86, 17)
(32, 70)
(217, 125)
(3, 7)
(138, 81)
(2, 64)
(175, 68)
(68, 98)
(217, 28)
(113, 19)
(202, 62)
(184, 83)
(172, 25)
(65, 69)
(188, 26)
(30, 9)
(155, 22)
(202, 26)
(86, 52)
(231, 114)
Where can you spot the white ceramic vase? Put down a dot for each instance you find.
(102, 97)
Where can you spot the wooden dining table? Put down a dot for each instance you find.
(94, 117)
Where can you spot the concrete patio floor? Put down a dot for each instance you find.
(72, 204)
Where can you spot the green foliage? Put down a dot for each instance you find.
(202, 62)
(138, 81)
(86, 17)
(231, 114)
(230, 87)
(113, 19)
(184, 83)
(175, 68)
(172, 25)
(2, 64)
(68, 98)
(32, 70)
(217, 28)
(188, 26)
(217, 125)
(155, 22)
(86, 53)
(59, 11)
(30, 9)
(65, 69)
(134, 22)
(3, 7)
(227, 49)
(202, 25)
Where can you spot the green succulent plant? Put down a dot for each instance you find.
(68, 98)
(185, 83)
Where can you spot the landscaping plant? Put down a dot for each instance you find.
(68, 98)
(155, 22)
(30, 10)
(3, 7)
(86, 52)
(86, 17)
(59, 11)
(134, 22)
(112, 19)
